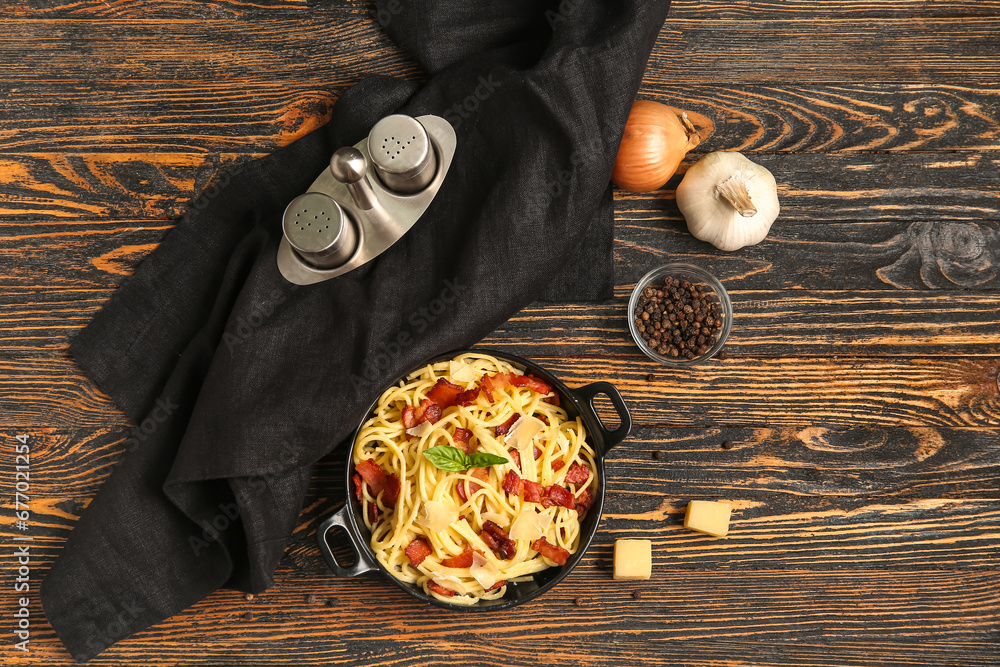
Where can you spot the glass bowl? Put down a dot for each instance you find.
(712, 291)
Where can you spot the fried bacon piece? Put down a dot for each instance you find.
(463, 559)
(490, 383)
(552, 400)
(533, 492)
(467, 397)
(550, 551)
(427, 411)
(377, 481)
(496, 538)
(513, 484)
(515, 456)
(418, 550)
(466, 489)
(373, 475)
(531, 382)
(558, 465)
(557, 495)
(435, 587)
(391, 493)
(583, 502)
(578, 474)
(444, 393)
(497, 585)
(461, 438)
(358, 487)
(373, 514)
(543, 419)
(504, 428)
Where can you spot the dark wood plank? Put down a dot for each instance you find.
(81, 256)
(679, 9)
(103, 186)
(921, 613)
(841, 118)
(780, 391)
(772, 323)
(876, 50)
(766, 323)
(925, 255)
(784, 466)
(868, 187)
(217, 118)
(761, 10)
(316, 50)
(176, 9)
(811, 187)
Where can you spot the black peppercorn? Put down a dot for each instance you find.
(678, 319)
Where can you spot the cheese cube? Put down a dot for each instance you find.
(710, 517)
(633, 559)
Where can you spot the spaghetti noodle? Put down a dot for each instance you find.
(464, 535)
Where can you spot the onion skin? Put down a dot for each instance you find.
(656, 139)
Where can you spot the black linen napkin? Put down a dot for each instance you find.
(239, 381)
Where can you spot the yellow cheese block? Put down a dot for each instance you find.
(707, 516)
(633, 559)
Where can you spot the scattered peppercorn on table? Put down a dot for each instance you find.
(851, 423)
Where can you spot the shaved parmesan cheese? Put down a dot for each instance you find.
(498, 519)
(436, 516)
(524, 431)
(421, 429)
(529, 525)
(460, 372)
(483, 571)
(449, 582)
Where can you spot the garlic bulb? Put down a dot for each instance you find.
(728, 200)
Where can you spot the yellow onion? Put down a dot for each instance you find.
(656, 139)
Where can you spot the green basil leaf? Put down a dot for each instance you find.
(484, 460)
(447, 458)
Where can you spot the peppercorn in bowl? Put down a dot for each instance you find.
(680, 315)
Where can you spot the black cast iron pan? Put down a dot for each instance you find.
(576, 402)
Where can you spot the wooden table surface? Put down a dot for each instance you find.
(854, 424)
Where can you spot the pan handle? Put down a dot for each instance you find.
(339, 519)
(587, 393)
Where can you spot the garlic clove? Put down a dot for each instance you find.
(728, 201)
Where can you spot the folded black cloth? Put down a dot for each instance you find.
(239, 381)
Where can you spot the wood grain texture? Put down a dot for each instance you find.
(834, 391)
(837, 118)
(811, 188)
(762, 610)
(767, 322)
(215, 117)
(855, 423)
(904, 50)
(687, 9)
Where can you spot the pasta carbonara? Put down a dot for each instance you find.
(470, 476)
